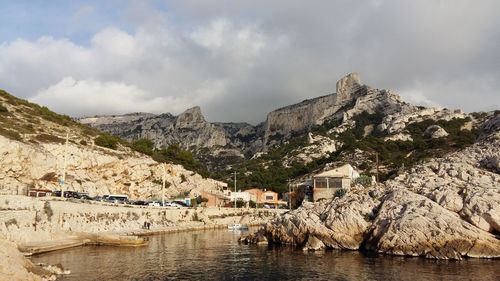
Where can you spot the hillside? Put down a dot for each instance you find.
(445, 208)
(32, 152)
(355, 124)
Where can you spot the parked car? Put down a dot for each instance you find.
(122, 199)
(83, 195)
(174, 204)
(180, 203)
(140, 203)
(154, 204)
(67, 194)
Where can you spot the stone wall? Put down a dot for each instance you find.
(26, 219)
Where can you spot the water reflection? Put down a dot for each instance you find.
(216, 255)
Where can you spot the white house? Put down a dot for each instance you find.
(326, 183)
(240, 196)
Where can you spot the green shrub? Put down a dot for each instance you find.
(364, 180)
(10, 134)
(183, 178)
(3, 109)
(195, 217)
(340, 193)
(11, 222)
(175, 154)
(49, 138)
(48, 210)
(143, 146)
(107, 140)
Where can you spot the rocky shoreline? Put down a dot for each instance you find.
(447, 208)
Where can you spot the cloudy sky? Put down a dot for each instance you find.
(239, 60)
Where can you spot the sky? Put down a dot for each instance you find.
(239, 60)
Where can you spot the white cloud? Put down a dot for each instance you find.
(70, 95)
(417, 97)
(157, 66)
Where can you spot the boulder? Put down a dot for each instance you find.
(435, 132)
(411, 224)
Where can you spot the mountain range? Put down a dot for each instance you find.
(355, 124)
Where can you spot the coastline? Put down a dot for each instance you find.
(34, 226)
(131, 238)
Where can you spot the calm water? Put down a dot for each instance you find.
(216, 255)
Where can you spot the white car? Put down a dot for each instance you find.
(154, 204)
(173, 204)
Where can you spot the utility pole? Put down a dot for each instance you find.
(63, 179)
(234, 189)
(376, 160)
(163, 185)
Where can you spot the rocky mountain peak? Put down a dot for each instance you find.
(347, 86)
(190, 117)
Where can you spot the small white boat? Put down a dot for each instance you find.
(237, 226)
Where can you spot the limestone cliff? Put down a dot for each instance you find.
(223, 146)
(33, 154)
(302, 116)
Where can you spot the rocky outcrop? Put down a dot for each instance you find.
(462, 182)
(190, 129)
(411, 224)
(318, 147)
(92, 169)
(301, 117)
(446, 208)
(435, 132)
(395, 221)
(397, 121)
(347, 86)
(15, 267)
(341, 225)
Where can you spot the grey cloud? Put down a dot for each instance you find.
(240, 59)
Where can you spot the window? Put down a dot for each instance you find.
(269, 197)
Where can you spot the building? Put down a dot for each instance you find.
(328, 182)
(240, 196)
(265, 197)
(37, 192)
(215, 199)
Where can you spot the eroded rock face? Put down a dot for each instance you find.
(341, 224)
(461, 182)
(297, 117)
(14, 266)
(411, 224)
(447, 208)
(347, 86)
(94, 170)
(396, 221)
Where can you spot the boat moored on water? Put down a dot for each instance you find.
(237, 226)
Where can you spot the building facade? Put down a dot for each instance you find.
(328, 182)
